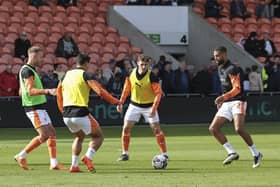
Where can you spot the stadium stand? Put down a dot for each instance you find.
(47, 24)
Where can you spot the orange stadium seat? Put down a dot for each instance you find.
(85, 29)
(31, 9)
(19, 9)
(83, 47)
(90, 9)
(60, 60)
(21, 4)
(98, 38)
(45, 19)
(237, 36)
(58, 19)
(73, 11)
(223, 21)
(45, 9)
(17, 61)
(43, 28)
(239, 29)
(95, 48)
(16, 68)
(4, 20)
(4, 9)
(86, 19)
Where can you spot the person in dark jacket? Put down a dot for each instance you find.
(22, 44)
(66, 47)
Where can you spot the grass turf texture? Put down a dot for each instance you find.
(196, 159)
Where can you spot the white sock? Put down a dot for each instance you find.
(164, 154)
(254, 150)
(229, 148)
(90, 152)
(125, 152)
(75, 160)
(22, 154)
(53, 162)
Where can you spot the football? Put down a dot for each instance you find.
(159, 162)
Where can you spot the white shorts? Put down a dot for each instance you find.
(229, 109)
(39, 118)
(86, 124)
(134, 113)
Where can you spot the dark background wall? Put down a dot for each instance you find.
(172, 110)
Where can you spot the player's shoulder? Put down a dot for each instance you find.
(88, 76)
(26, 71)
(153, 77)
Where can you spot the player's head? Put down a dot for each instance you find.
(35, 55)
(83, 60)
(220, 55)
(143, 62)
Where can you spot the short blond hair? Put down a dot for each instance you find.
(34, 49)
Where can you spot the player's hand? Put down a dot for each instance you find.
(119, 108)
(152, 113)
(219, 100)
(52, 91)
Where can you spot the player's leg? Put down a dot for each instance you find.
(132, 115)
(155, 126)
(92, 128)
(127, 126)
(239, 119)
(215, 129)
(76, 150)
(39, 124)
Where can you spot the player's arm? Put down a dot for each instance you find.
(126, 90)
(59, 97)
(236, 87)
(97, 88)
(158, 92)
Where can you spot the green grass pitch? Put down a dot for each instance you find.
(195, 159)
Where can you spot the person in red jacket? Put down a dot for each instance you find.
(8, 83)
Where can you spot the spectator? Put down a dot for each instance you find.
(161, 62)
(168, 81)
(246, 82)
(58, 71)
(182, 79)
(252, 45)
(267, 46)
(66, 3)
(49, 79)
(216, 82)
(274, 74)
(100, 77)
(260, 9)
(115, 84)
(8, 82)
(212, 9)
(275, 8)
(66, 47)
(127, 68)
(255, 80)
(38, 3)
(110, 71)
(238, 9)
(202, 81)
(22, 44)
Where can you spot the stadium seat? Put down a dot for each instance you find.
(94, 57)
(95, 48)
(98, 38)
(4, 21)
(136, 51)
(223, 21)
(72, 61)
(240, 29)
(60, 60)
(31, 9)
(17, 61)
(43, 28)
(237, 36)
(85, 29)
(4, 9)
(73, 11)
(83, 47)
(45, 9)
(19, 10)
(90, 9)
(59, 20)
